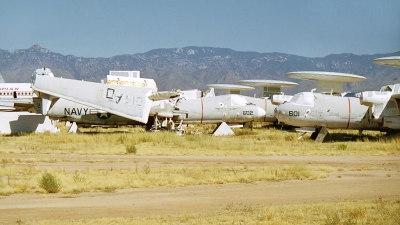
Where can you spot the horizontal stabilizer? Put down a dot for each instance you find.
(127, 101)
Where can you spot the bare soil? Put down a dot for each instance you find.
(346, 183)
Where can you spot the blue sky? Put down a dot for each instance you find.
(104, 28)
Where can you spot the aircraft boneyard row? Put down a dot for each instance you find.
(370, 110)
(139, 103)
(125, 100)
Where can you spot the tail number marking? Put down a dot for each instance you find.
(247, 113)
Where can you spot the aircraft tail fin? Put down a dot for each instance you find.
(2, 79)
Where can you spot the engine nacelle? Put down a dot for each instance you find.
(371, 98)
(280, 99)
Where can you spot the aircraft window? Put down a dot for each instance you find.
(237, 100)
(306, 98)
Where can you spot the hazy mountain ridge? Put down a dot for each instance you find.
(195, 67)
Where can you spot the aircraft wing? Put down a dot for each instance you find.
(127, 101)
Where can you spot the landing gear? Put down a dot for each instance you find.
(181, 129)
(248, 125)
(155, 125)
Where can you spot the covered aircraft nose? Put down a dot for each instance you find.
(260, 112)
(252, 112)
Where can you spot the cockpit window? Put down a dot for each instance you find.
(305, 98)
(238, 100)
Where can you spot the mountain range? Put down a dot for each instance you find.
(195, 67)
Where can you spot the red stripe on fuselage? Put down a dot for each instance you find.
(348, 121)
(265, 108)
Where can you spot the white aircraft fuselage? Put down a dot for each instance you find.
(209, 110)
(19, 94)
(309, 109)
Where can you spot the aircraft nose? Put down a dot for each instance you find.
(260, 112)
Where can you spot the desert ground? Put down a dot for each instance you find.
(378, 178)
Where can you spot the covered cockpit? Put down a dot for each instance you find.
(303, 98)
(237, 100)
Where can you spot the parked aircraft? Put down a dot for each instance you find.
(17, 113)
(83, 115)
(228, 109)
(326, 107)
(385, 104)
(135, 103)
(17, 95)
(127, 101)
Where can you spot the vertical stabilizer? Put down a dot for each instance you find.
(2, 79)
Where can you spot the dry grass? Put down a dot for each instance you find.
(26, 179)
(376, 212)
(261, 141)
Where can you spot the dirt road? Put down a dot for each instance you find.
(345, 183)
